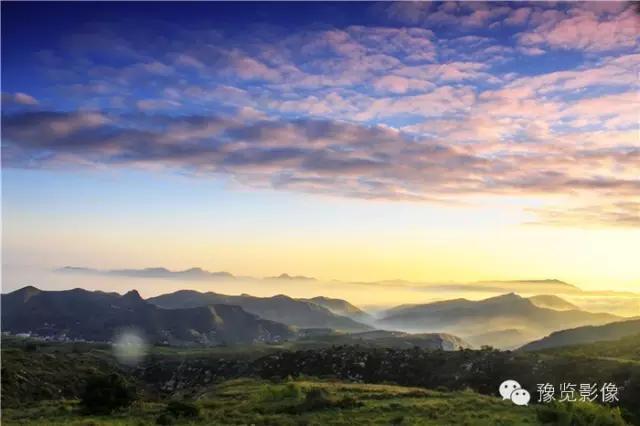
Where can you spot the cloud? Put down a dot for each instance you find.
(442, 106)
(318, 156)
(18, 98)
(442, 100)
(399, 84)
(409, 12)
(621, 213)
(447, 72)
(531, 51)
(585, 28)
(156, 104)
(464, 15)
(518, 16)
(249, 68)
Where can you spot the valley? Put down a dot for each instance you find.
(281, 360)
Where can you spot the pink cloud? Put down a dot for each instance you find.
(450, 71)
(623, 106)
(518, 16)
(398, 84)
(156, 104)
(531, 51)
(583, 29)
(18, 98)
(249, 68)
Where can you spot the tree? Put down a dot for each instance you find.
(182, 409)
(105, 394)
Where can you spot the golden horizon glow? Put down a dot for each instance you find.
(410, 141)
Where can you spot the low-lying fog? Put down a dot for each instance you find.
(373, 297)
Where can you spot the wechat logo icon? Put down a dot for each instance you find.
(510, 389)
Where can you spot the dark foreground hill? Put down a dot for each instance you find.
(34, 372)
(588, 334)
(97, 316)
(280, 308)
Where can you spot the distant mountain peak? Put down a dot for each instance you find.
(552, 302)
(507, 297)
(285, 276)
(27, 289)
(281, 296)
(27, 292)
(133, 295)
(341, 307)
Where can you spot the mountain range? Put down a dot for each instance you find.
(99, 316)
(189, 317)
(552, 302)
(586, 334)
(301, 313)
(342, 307)
(472, 318)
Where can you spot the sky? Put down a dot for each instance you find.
(435, 142)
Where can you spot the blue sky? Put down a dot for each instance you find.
(288, 123)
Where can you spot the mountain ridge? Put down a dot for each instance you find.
(280, 308)
(471, 318)
(551, 301)
(98, 316)
(341, 307)
(585, 334)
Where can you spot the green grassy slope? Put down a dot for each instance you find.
(41, 383)
(248, 401)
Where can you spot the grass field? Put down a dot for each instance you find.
(248, 401)
(41, 384)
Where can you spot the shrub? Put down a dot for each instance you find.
(182, 409)
(165, 420)
(347, 402)
(105, 394)
(579, 414)
(279, 392)
(398, 420)
(317, 399)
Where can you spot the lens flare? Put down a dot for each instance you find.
(130, 347)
